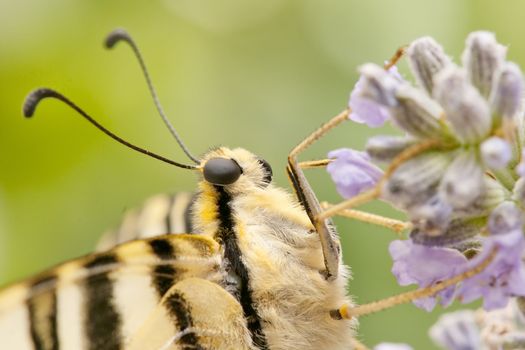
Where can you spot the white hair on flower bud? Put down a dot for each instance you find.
(482, 57)
(457, 330)
(466, 110)
(416, 113)
(426, 58)
(463, 181)
(507, 93)
(496, 152)
(378, 84)
(505, 218)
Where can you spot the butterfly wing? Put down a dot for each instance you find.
(100, 301)
(194, 314)
(159, 215)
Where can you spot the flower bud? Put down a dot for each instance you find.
(416, 113)
(384, 148)
(504, 218)
(457, 231)
(426, 58)
(457, 330)
(415, 181)
(518, 193)
(507, 92)
(482, 57)
(378, 85)
(463, 181)
(431, 217)
(492, 195)
(496, 152)
(466, 110)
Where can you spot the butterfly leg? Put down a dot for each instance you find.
(305, 194)
(349, 312)
(392, 224)
(397, 226)
(329, 239)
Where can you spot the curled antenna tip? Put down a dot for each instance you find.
(33, 99)
(115, 36)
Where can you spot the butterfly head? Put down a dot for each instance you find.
(235, 169)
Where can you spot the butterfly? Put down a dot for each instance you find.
(246, 266)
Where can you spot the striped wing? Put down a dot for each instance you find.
(159, 215)
(206, 317)
(103, 300)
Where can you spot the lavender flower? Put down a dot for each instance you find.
(367, 110)
(518, 192)
(505, 276)
(414, 182)
(496, 152)
(463, 181)
(426, 58)
(508, 91)
(364, 110)
(465, 108)
(457, 331)
(425, 266)
(392, 346)
(482, 57)
(416, 113)
(432, 217)
(505, 218)
(352, 171)
(384, 148)
(450, 170)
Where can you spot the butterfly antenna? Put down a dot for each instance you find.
(34, 98)
(121, 35)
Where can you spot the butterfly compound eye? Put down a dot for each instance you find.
(221, 171)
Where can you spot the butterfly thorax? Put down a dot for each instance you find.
(272, 260)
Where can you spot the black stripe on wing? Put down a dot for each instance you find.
(165, 260)
(180, 311)
(102, 321)
(163, 275)
(42, 312)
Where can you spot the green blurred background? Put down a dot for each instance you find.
(256, 74)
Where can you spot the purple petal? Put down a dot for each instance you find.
(517, 281)
(365, 110)
(426, 304)
(425, 266)
(495, 298)
(503, 278)
(352, 172)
